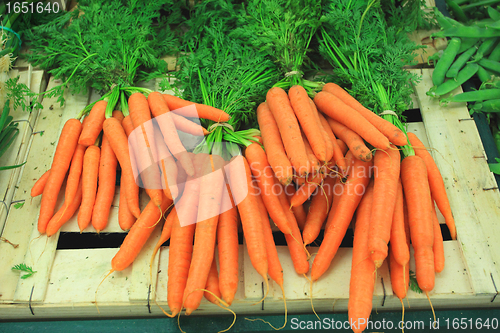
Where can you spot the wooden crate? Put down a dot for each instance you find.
(66, 280)
(17, 152)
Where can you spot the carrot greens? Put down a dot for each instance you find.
(368, 56)
(220, 69)
(101, 45)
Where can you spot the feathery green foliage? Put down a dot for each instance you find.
(105, 43)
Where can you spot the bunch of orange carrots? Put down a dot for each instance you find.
(390, 196)
(330, 151)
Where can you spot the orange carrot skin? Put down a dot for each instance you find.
(118, 141)
(227, 245)
(400, 275)
(436, 183)
(419, 203)
(145, 149)
(362, 281)
(65, 213)
(203, 111)
(294, 240)
(274, 266)
(398, 242)
(168, 168)
(107, 183)
(394, 134)
(37, 189)
(161, 111)
(318, 210)
(65, 149)
(306, 190)
(89, 185)
(118, 115)
(438, 243)
(211, 189)
(326, 135)
(339, 111)
(251, 220)
(181, 244)
(213, 284)
(297, 210)
(138, 235)
(352, 139)
(340, 217)
(75, 172)
(93, 124)
(257, 159)
(299, 101)
(337, 153)
(387, 166)
(280, 107)
(188, 126)
(125, 218)
(274, 146)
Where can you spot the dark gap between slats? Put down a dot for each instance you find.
(75, 240)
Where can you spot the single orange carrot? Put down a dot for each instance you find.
(106, 189)
(211, 188)
(324, 133)
(65, 149)
(394, 134)
(264, 176)
(419, 203)
(280, 107)
(227, 245)
(93, 124)
(299, 100)
(178, 105)
(340, 218)
(436, 183)
(65, 213)
(161, 112)
(213, 284)
(118, 141)
(89, 185)
(37, 189)
(337, 153)
(168, 168)
(362, 281)
(297, 210)
(138, 235)
(387, 167)
(125, 218)
(275, 151)
(339, 111)
(187, 126)
(351, 139)
(438, 246)
(398, 242)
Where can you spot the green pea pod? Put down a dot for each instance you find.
(475, 4)
(490, 64)
(467, 43)
(495, 53)
(474, 96)
(467, 31)
(493, 13)
(445, 62)
(457, 11)
(485, 48)
(492, 105)
(465, 74)
(460, 62)
(483, 74)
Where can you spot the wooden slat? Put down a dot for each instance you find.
(16, 154)
(40, 254)
(461, 159)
